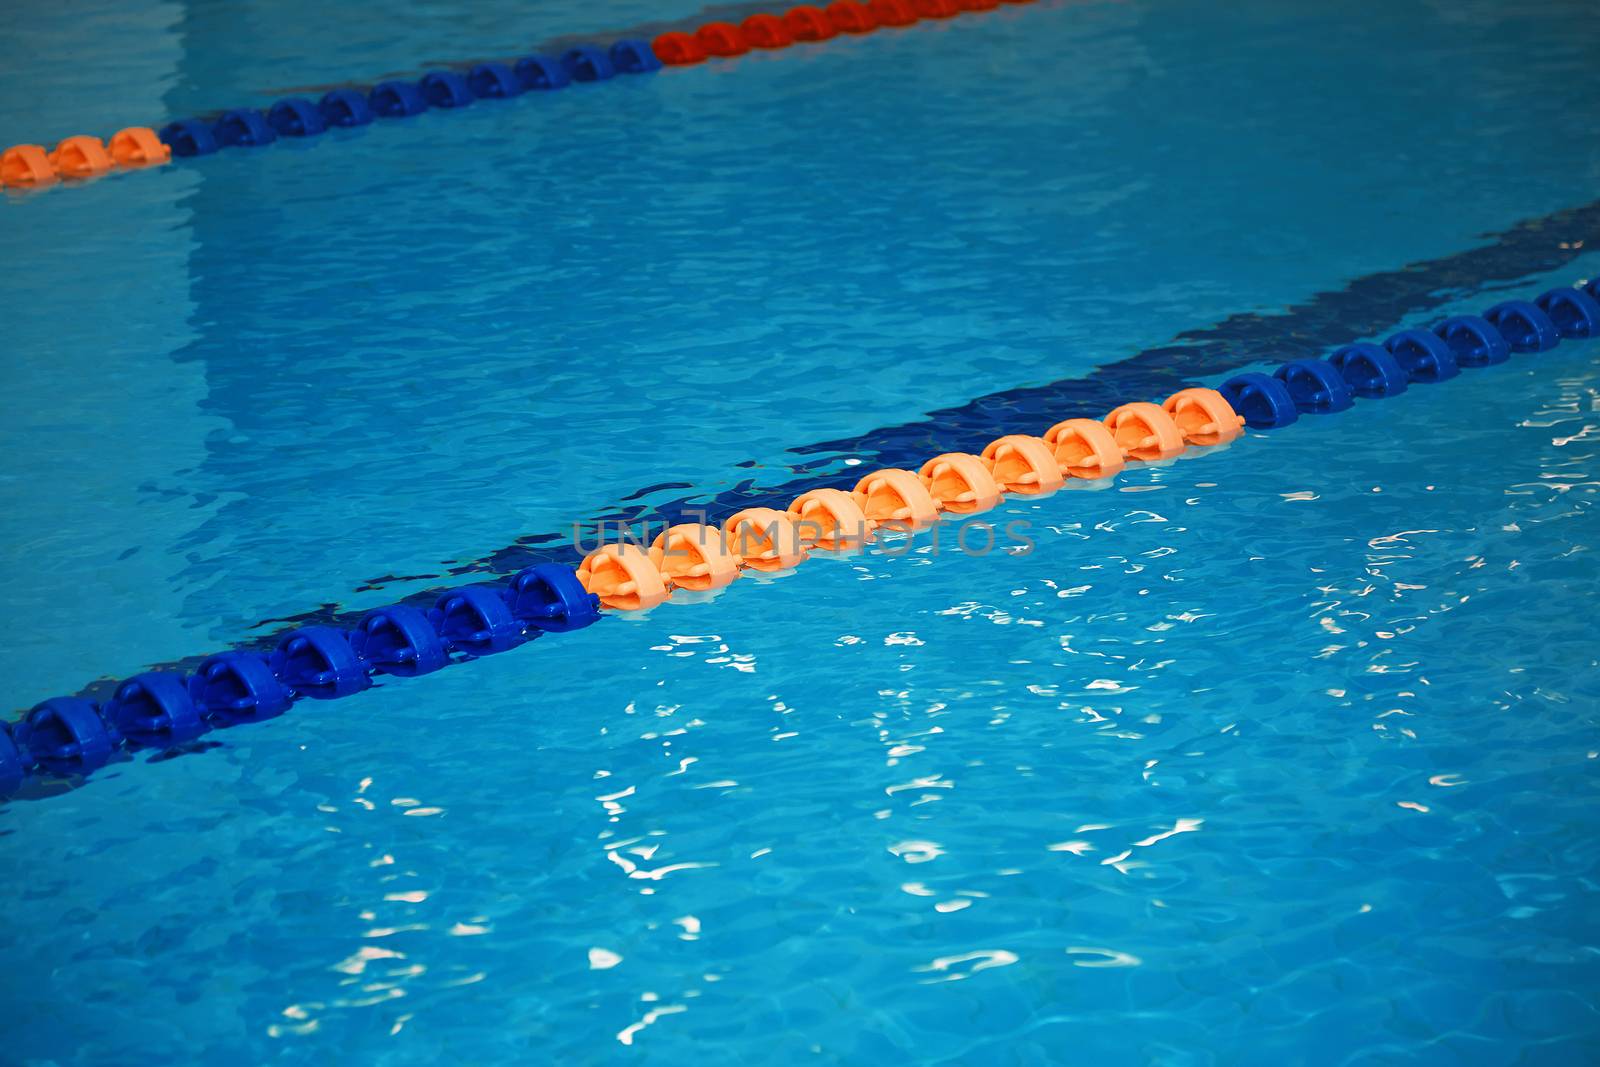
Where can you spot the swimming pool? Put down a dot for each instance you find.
(1282, 753)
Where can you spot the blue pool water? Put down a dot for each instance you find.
(1280, 754)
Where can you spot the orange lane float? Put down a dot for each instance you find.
(138, 146)
(1204, 416)
(960, 482)
(1084, 448)
(81, 157)
(623, 577)
(1145, 432)
(1023, 464)
(896, 496)
(26, 165)
(29, 166)
(765, 538)
(694, 556)
(830, 519)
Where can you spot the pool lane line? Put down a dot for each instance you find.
(699, 556)
(84, 157)
(548, 46)
(1362, 307)
(167, 712)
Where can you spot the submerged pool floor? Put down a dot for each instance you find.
(1283, 754)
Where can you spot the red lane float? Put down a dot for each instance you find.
(851, 16)
(722, 39)
(892, 12)
(937, 9)
(677, 49)
(766, 31)
(809, 23)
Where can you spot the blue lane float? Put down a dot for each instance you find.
(445, 89)
(1423, 355)
(1370, 371)
(1315, 385)
(1428, 356)
(1264, 402)
(542, 73)
(634, 57)
(163, 710)
(319, 662)
(296, 117)
(1574, 313)
(231, 688)
(494, 81)
(586, 63)
(1473, 340)
(442, 90)
(396, 100)
(243, 128)
(154, 710)
(543, 596)
(1524, 325)
(188, 137)
(66, 735)
(345, 108)
(476, 619)
(400, 640)
(1415, 355)
(13, 765)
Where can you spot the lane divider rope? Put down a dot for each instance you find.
(26, 166)
(82, 157)
(162, 710)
